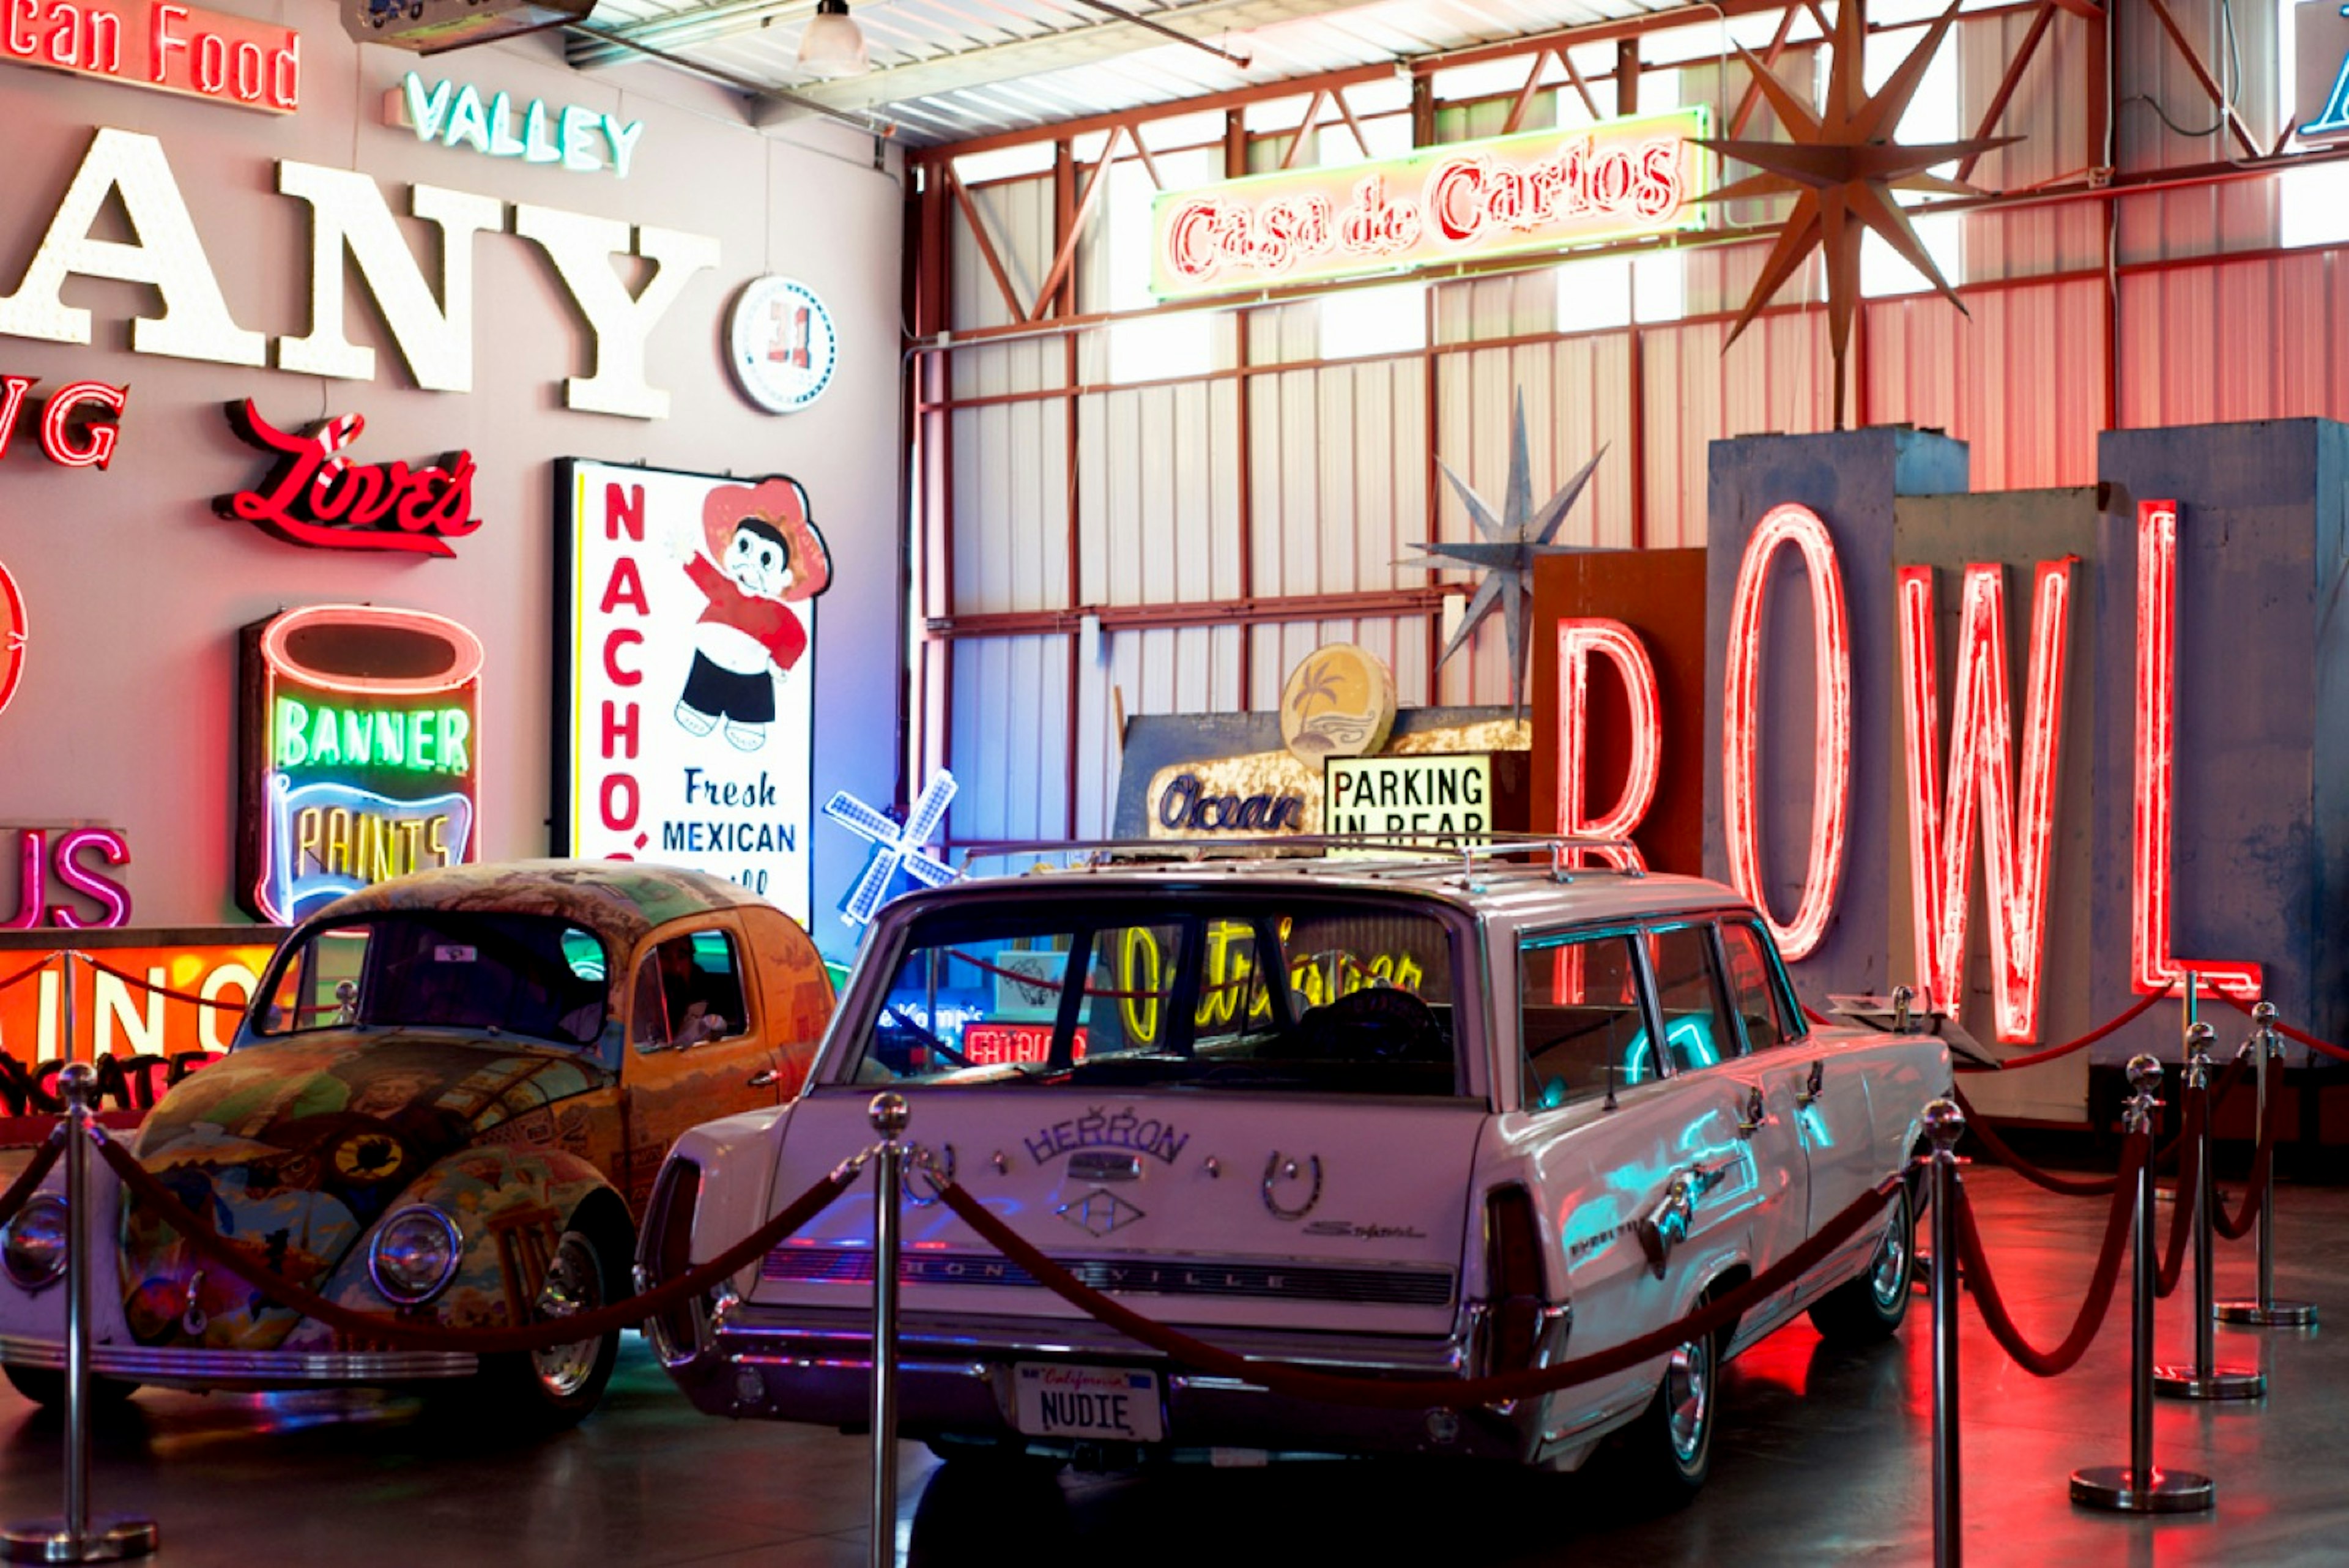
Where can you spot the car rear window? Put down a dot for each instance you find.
(520, 974)
(1317, 995)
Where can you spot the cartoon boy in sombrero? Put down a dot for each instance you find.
(764, 555)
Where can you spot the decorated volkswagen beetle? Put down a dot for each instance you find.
(1405, 1119)
(448, 1102)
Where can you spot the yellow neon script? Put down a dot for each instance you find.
(1229, 972)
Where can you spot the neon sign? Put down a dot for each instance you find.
(1544, 190)
(1231, 982)
(2016, 832)
(1799, 526)
(37, 859)
(13, 632)
(2322, 50)
(70, 437)
(173, 48)
(142, 1039)
(360, 762)
(454, 115)
(1577, 641)
(316, 497)
(2152, 925)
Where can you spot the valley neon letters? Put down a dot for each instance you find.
(432, 326)
(454, 115)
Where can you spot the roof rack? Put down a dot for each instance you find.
(1563, 856)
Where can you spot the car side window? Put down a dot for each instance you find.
(1698, 1032)
(1750, 988)
(1579, 1017)
(688, 990)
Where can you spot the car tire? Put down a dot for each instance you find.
(1871, 1307)
(1668, 1452)
(541, 1392)
(46, 1386)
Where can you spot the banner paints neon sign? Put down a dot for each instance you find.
(1545, 189)
(360, 761)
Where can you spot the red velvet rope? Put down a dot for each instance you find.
(2189, 1177)
(2256, 1193)
(2072, 1186)
(2289, 1032)
(22, 975)
(1415, 1393)
(2120, 1021)
(375, 1327)
(143, 983)
(2107, 1273)
(28, 1181)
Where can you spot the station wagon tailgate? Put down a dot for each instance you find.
(1199, 1207)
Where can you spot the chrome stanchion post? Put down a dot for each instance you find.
(2141, 1486)
(889, 1115)
(2204, 1379)
(75, 1538)
(1944, 1124)
(2265, 1311)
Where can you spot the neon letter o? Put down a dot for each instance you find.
(1831, 724)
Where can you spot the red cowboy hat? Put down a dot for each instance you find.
(781, 504)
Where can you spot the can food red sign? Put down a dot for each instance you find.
(182, 49)
(359, 727)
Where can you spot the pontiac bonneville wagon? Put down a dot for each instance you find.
(1389, 1118)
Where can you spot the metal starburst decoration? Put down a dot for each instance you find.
(1512, 543)
(1841, 165)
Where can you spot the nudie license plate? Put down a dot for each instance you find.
(1087, 1402)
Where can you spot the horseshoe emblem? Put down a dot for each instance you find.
(1279, 1170)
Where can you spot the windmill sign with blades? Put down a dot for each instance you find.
(896, 847)
(1842, 167)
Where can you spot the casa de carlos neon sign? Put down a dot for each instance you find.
(360, 762)
(1543, 190)
(181, 49)
(1981, 792)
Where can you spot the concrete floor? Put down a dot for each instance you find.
(1823, 1457)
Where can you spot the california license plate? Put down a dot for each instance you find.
(1087, 1402)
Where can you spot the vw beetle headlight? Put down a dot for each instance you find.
(415, 1254)
(35, 1251)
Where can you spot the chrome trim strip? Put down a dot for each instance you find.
(213, 1368)
(1371, 1285)
(837, 1335)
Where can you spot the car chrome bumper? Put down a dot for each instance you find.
(179, 1368)
(954, 1380)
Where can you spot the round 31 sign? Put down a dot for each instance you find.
(12, 637)
(781, 343)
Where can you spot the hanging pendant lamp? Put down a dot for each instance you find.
(833, 45)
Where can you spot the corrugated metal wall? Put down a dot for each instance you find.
(1291, 477)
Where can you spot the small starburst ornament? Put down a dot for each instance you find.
(1512, 543)
(1841, 165)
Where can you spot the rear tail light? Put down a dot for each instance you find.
(1512, 1273)
(668, 1251)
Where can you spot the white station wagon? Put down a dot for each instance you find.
(1394, 1119)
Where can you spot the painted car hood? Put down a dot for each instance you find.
(293, 1148)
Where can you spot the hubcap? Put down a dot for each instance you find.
(1889, 1277)
(1687, 1395)
(574, 1286)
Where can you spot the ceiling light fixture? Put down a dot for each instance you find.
(833, 47)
